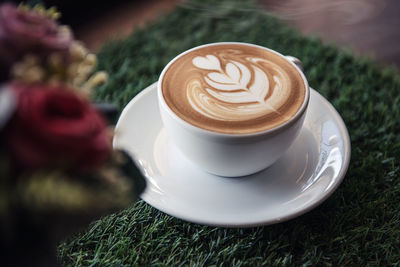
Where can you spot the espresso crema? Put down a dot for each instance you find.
(233, 88)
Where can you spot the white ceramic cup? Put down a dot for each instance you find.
(232, 154)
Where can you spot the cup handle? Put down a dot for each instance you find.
(296, 61)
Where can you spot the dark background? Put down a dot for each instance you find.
(367, 27)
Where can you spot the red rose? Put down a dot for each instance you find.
(23, 32)
(52, 127)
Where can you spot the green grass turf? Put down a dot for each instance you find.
(358, 225)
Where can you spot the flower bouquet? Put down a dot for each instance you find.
(58, 170)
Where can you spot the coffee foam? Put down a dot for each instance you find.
(233, 88)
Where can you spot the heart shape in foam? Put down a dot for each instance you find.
(208, 62)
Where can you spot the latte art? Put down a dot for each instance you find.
(243, 90)
(233, 88)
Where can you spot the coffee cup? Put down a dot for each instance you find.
(232, 108)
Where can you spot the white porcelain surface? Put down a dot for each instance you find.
(306, 175)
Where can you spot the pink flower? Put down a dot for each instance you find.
(23, 32)
(53, 127)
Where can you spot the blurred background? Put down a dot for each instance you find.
(367, 27)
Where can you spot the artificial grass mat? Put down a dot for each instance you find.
(358, 225)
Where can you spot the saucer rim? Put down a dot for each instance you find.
(319, 200)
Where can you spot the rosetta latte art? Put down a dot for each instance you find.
(233, 88)
(236, 89)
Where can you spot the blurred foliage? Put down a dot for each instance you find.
(51, 12)
(38, 210)
(115, 185)
(358, 225)
(53, 191)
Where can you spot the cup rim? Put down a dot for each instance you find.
(199, 130)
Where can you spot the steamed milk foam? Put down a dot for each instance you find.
(233, 88)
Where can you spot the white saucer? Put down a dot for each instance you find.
(305, 176)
